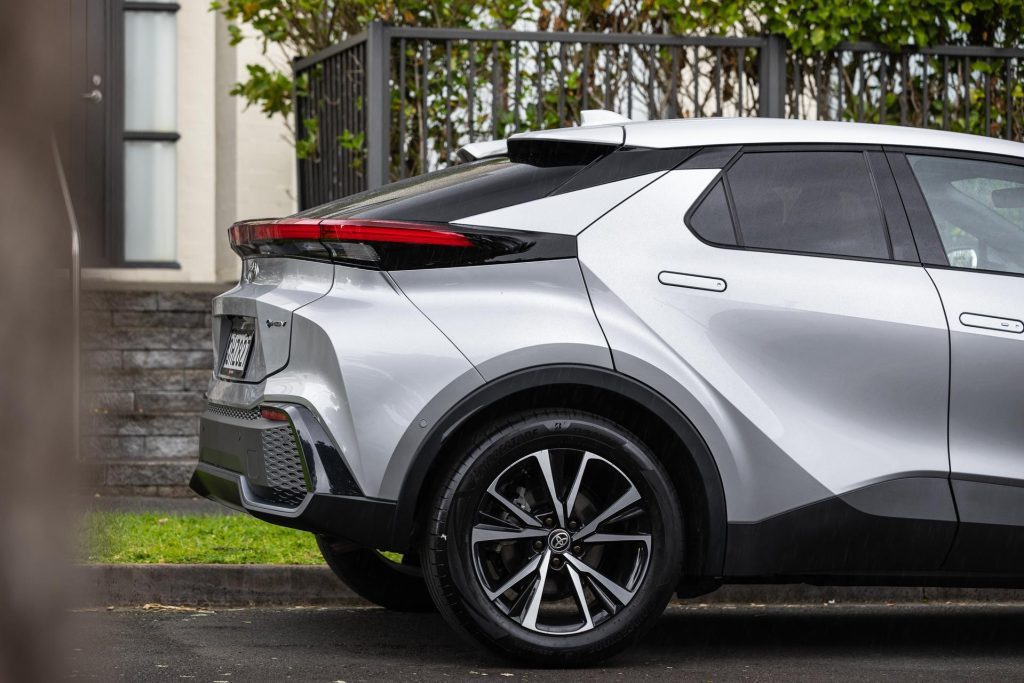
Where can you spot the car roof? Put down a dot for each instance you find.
(748, 131)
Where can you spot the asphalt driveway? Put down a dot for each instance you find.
(856, 642)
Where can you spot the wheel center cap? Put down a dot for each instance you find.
(559, 540)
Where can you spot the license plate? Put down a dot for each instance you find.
(236, 357)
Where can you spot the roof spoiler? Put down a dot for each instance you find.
(601, 117)
(561, 137)
(484, 149)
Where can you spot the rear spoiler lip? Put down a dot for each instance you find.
(485, 149)
(607, 134)
(611, 134)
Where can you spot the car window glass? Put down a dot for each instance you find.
(452, 193)
(978, 208)
(812, 202)
(712, 221)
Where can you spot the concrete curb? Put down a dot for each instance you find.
(232, 585)
(213, 585)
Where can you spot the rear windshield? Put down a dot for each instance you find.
(452, 193)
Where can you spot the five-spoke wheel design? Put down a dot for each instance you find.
(561, 541)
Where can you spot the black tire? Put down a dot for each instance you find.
(457, 570)
(398, 587)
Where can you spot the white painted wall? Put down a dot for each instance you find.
(232, 163)
(262, 181)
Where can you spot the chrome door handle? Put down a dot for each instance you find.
(95, 96)
(990, 322)
(710, 284)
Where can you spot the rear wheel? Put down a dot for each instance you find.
(556, 538)
(386, 581)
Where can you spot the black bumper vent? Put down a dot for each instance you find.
(235, 413)
(282, 464)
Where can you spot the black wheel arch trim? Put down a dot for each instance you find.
(430, 448)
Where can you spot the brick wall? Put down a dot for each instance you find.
(146, 361)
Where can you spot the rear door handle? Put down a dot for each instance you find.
(989, 322)
(710, 284)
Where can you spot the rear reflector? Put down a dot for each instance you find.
(275, 414)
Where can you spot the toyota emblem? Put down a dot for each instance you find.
(559, 540)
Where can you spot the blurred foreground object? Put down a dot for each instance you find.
(36, 453)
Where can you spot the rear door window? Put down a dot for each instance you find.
(978, 208)
(814, 202)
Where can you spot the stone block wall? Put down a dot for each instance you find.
(146, 363)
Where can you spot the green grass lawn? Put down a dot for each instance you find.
(190, 539)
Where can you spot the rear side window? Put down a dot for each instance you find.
(452, 193)
(811, 202)
(711, 220)
(978, 208)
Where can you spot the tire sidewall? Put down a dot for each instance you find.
(559, 429)
(376, 578)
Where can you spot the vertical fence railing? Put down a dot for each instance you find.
(453, 87)
(958, 88)
(331, 121)
(398, 101)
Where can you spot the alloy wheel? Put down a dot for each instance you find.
(561, 541)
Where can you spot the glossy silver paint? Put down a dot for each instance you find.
(505, 317)
(502, 318)
(808, 376)
(365, 361)
(986, 408)
(752, 131)
(280, 286)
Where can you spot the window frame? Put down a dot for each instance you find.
(922, 223)
(898, 241)
(118, 135)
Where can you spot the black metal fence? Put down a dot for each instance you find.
(960, 88)
(398, 101)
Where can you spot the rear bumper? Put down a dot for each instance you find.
(286, 473)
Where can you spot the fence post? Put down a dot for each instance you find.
(772, 76)
(378, 105)
(297, 113)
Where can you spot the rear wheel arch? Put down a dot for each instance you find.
(617, 397)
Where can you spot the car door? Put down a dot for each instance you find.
(968, 214)
(803, 339)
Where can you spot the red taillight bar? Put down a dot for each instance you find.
(393, 232)
(254, 232)
(305, 230)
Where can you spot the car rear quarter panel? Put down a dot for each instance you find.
(506, 317)
(366, 362)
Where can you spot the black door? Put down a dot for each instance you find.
(86, 157)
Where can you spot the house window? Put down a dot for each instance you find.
(150, 123)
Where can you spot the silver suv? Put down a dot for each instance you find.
(548, 389)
